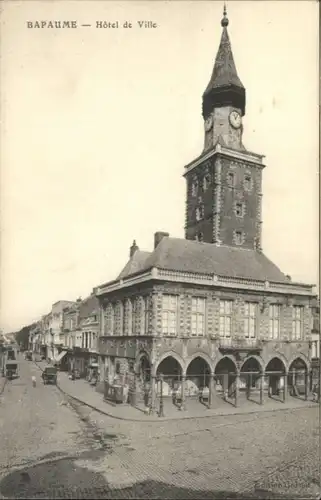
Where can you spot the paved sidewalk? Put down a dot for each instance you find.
(84, 393)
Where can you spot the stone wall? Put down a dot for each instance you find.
(250, 199)
(147, 305)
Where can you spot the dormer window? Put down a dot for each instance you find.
(231, 179)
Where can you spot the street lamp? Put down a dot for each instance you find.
(161, 401)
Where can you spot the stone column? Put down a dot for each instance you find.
(225, 386)
(307, 382)
(102, 320)
(133, 396)
(153, 395)
(237, 380)
(183, 407)
(212, 391)
(248, 385)
(293, 382)
(262, 388)
(285, 386)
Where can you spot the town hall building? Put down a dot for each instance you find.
(210, 315)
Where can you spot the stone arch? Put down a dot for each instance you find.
(143, 365)
(298, 373)
(258, 359)
(169, 354)
(141, 354)
(203, 356)
(250, 374)
(276, 370)
(220, 358)
(276, 356)
(302, 357)
(225, 370)
(171, 367)
(198, 372)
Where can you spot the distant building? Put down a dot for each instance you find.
(315, 343)
(210, 311)
(56, 327)
(81, 331)
(35, 338)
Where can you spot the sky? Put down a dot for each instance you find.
(98, 124)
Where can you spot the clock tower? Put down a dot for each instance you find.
(224, 183)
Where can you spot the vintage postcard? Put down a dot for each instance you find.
(160, 305)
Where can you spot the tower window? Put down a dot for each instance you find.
(194, 187)
(238, 237)
(231, 179)
(247, 183)
(206, 181)
(239, 209)
(199, 212)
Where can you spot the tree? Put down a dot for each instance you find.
(22, 336)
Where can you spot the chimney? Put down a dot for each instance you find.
(158, 237)
(133, 249)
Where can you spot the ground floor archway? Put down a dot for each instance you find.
(298, 377)
(275, 373)
(198, 375)
(144, 369)
(168, 376)
(225, 377)
(250, 377)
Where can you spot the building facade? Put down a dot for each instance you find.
(211, 311)
(81, 329)
(315, 344)
(56, 326)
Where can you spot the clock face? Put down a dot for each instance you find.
(235, 119)
(208, 123)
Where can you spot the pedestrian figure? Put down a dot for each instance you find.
(34, 381)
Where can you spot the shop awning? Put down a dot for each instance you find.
(60, 356)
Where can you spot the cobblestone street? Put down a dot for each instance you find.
(52, 447)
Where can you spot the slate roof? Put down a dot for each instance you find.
(135, 264)
(224, 71)
(178, 254)
(88, 306)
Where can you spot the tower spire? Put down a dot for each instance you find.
(225, 87)
(224, 22)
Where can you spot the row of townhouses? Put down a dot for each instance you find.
(210, 310)
(68, 334)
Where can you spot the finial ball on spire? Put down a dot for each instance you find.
(224, 22)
